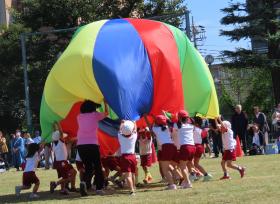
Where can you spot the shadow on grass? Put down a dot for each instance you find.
(56, 196)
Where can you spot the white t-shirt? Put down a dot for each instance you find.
(163, 137)
(127, 143)
(197, 135)
(60, 151)
(145, 146)
(185, 134)
(256, 139)
(229, 142)
(32, 162)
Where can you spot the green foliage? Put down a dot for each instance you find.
(255, 20)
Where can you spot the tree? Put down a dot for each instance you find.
(255, 19)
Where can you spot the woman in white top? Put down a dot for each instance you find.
(29, 176)
(168, 149)
(127, 137)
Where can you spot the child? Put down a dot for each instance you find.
(145, 147)
(257, 142)
(29, 176)
(168, 149)
(199, 148)
(65, 170)
(185, 129)
(112, 163)
(229, 155)
(127, 137)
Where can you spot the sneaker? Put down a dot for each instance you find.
(119, 183)
(198, 177)
(171, 187)
(83, 189)
(100, 192)
(73, 190)
(34, 195)
(17, 190)
(52, 186)
(225, 178)
(192, 178)
(242, 172)
(132, 193)
(186, 185)
(208, 177)
(64, 192)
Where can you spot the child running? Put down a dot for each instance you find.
(29, 176)
(198, 135)
(65, 170)
(168, 149)
(127, 137)
(185, 129)
(145, 149)
(229, 155)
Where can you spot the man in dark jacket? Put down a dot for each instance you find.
(239, 123)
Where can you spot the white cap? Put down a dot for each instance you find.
(55, 135)
(227, 124)
(127, 127)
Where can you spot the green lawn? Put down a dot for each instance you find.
(260, 185)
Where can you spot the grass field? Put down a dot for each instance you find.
(260, 185)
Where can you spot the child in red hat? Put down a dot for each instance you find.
(145, 149)
(184, 128)
(168, 149)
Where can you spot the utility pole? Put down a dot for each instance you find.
(194, 34)
(26, 86)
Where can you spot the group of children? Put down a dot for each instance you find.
(180, 147)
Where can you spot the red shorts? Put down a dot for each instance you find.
(29, 178)
(128, 163)
(187, 152)
(111, 163)
(63, 169)
(199, 150)
(146, 160)
(80, 165)
(168, 152)
(229, 155)
(159, 153)
(177, 157)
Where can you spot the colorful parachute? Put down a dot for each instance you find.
(139, 66)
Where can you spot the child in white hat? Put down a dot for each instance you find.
(127, 138)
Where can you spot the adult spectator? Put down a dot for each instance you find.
(88, 146)
(18, 149)
(4, 150)
(216, 136)
(48, 155)
(239, 122)
(11, 146)
(276, 120)
(37, 138)
(260, 120)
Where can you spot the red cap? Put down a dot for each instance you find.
(161, 120)
(183, 114)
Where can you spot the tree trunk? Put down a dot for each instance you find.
(275, 74)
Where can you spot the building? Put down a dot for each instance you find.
(5, 13)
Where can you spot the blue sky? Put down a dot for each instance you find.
(207, 13)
